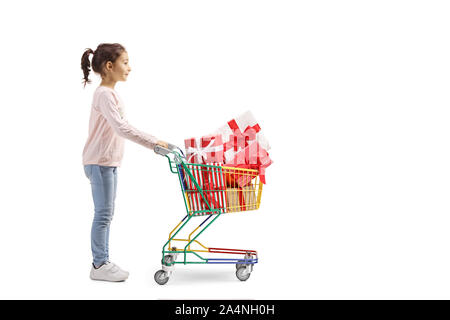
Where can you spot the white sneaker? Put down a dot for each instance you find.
(109, 272)
(126, 272)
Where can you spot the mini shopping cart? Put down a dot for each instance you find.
(208, 191)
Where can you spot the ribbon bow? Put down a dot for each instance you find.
(202, 152)
(196, 152)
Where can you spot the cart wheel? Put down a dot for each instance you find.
(161, 277)
(241, 274)
(238, 265)
(168, 259)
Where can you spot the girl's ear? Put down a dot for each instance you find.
(108, 66)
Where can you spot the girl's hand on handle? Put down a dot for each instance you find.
(163, 148)
(162, 144)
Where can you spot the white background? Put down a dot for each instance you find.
(352, 95)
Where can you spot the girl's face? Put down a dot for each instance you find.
(119, 70)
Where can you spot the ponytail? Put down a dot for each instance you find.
(86, 65)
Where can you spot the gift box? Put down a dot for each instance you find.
(244, 146)
(239, 132)
(236, 142)
(251, 157)
(207, 149)
(196, 202)
(249, 197)
(233, 203)
(210, 180)
(241, 199)
(239, 178)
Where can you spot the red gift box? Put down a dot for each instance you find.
(210, 181)
(240, 178)
(238, 141)
(243, 125)
(207, 149)
(251, 157)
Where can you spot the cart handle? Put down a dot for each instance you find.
(178, 155)
(165, 151)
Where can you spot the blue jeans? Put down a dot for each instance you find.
(104, 184)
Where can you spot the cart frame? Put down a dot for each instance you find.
(178, 165)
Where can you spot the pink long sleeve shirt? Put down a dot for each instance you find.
(107, 129)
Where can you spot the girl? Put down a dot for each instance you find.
(104, 148)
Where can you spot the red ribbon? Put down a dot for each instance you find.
(239, 140)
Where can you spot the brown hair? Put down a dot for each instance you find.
(105, 52)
